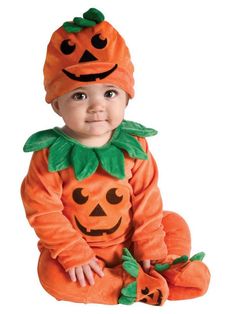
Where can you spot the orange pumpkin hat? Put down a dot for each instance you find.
(86, 51)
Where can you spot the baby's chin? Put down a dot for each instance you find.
(98, 128)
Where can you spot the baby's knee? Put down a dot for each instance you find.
(172, 220)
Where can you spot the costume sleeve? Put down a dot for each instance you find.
(148, 236)
(41, 194)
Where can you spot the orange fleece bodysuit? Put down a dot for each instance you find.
(79, 211)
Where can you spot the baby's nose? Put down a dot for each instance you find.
(96, 107)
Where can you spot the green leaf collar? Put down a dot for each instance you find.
(65, 151)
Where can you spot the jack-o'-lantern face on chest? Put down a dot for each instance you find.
(102, 214)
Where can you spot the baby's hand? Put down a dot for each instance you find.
(85, 271)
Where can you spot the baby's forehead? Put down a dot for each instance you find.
(98, 86)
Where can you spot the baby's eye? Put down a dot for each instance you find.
(79, 96)
(110, 93)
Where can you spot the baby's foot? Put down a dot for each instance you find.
(141, 286)
(186, 278)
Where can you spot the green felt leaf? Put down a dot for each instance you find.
(83, 22)
(84, 162)
(181, 259)
(198, 257)
(137, 129)
(131, 145)
(126, 300)
(112, 160)
(94, 15)
(161, 267)
(131, 268)
(70, 27)
(59, 153)
(65, 151)
(127, 255)
(40, 140)
(130, 290)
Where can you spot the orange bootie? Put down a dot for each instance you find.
(186, 278)
(140, 286)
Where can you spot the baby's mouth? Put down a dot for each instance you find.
(95, 121)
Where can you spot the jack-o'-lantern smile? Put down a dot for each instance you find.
(97, 232)
(89, 77)
(99, 213)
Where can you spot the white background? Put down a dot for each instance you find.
(184, 54)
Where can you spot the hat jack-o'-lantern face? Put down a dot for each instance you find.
(113, 202)
(152, 297)
(67, 47)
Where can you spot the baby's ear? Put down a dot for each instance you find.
(127, 99)
(55, 106)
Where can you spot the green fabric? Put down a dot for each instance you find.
(181, 259)
(94, 15)
(130, 290)
(70, 27)
(83, 22)
(64, 151)
(89, 19)
(130, 265)
(197, 257)
(126, 300)
(161, 267)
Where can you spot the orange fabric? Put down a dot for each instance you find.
(52, 210)
(52, 207)
(183, 281)
(86, 60)
(106, 290)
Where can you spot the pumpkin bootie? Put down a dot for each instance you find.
(186, 278)
(140, 286)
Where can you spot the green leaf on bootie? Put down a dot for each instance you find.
(161, 267)
(181, 259)
(130, 264)
(127, 256)
(198, 257)
(130, 290)
(126, 300)
(131, 269)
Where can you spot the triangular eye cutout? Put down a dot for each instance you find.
(98, 211)
(87, 56)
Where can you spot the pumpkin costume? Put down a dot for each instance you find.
(103, 201)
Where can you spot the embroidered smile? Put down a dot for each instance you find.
(97, 232)
(89, 77)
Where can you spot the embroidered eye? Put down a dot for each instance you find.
(112, 197)
(98, 42)
(67, 47)
(78, 197)
(145, 291)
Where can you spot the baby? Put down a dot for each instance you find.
(91, 190)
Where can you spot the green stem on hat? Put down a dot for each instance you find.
(90, 18)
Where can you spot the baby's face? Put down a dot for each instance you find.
(92, 110)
